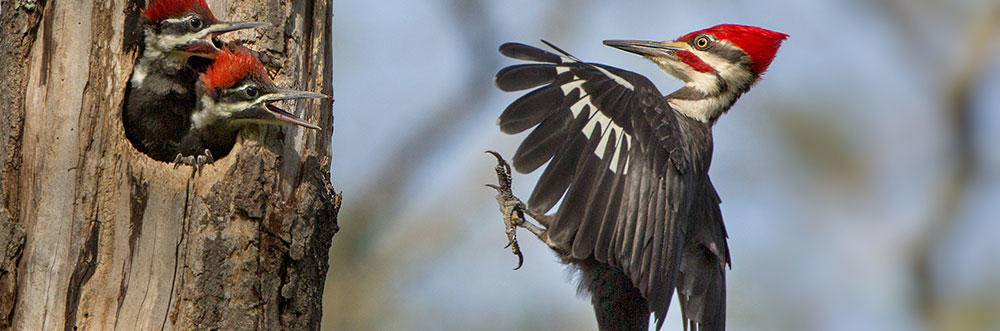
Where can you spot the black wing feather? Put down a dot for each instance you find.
(626, 204)
(528, 53)
(559, 174)
(531, 109)
(544, 142)
(524, 76)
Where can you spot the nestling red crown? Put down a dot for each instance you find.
(232, 64)
(759, 44)
(157, 10)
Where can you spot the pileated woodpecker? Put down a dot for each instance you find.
(233, 92)
(161, 97)
(639, 216)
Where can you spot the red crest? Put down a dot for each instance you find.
(232, 64)
(157, 10)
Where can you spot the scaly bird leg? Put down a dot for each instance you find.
(513, 211)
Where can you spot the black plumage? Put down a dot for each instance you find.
(638, 215)
(158, 111)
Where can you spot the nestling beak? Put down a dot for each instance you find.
(204, 46)
(200, 47)
(223, 27)
(650, 49)
(273, 114)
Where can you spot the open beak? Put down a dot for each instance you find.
(201, 47)
(646, 48)
(204, 46)
(275, 114)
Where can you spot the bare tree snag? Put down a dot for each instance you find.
(95, 235)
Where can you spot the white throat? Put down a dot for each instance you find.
(705, 110)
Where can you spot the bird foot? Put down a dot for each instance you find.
(196, 161)
(513, 210)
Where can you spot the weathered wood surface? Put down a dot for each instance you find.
(96, 235)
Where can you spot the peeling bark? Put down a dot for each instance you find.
(96, 235)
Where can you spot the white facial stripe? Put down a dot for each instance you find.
(731, 72)
(176, 20)
(166, 43)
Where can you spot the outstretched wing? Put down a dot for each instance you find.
(616, 160)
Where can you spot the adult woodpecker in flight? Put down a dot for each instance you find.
(639, 216)
(161, 97)
(233, 92)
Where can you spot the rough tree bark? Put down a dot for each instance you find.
(95, 235)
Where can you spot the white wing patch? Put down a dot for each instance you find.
(609, 129)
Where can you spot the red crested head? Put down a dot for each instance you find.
(759, 44)
(157, 10)
(233, 64)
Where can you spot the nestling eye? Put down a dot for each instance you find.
(251, 91)
(196, 23)
(701, 42)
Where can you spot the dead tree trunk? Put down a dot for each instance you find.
(95, 235)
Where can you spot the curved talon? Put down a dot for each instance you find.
(500, 161)
(511, 207)
(496, 155)
(520, 260)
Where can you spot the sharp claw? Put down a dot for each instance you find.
(496, 155)
(208, 156)
(510, 206)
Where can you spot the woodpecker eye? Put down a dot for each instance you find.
(701, 43)
(196, 23)
(251, 91)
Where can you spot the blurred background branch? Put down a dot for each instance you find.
(971, 57)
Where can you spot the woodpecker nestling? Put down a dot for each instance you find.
(639, 216)
(161, 96)
(233, 92)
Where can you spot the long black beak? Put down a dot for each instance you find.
(646, 48)
(276, 114)
(223, 27)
